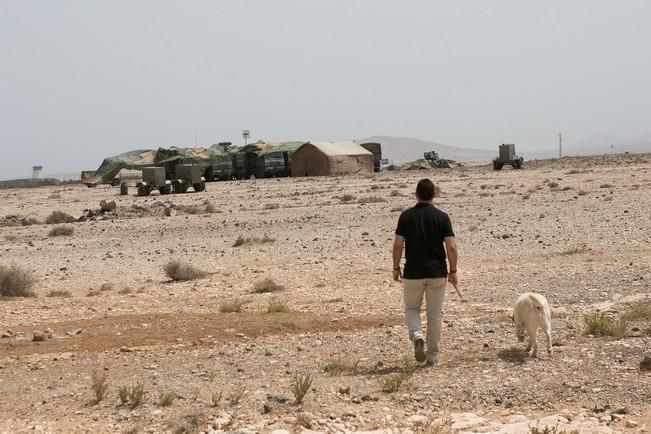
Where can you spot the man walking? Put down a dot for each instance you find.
(426, 234)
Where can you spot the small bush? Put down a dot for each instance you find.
(277, 305)
(216, 398)
(179, 271)
(61, 231)
(581, 192)
(347, 198)
(606, 185)
(16, 282)
(553, 185)
(93, 293)
(99, 386)
(167, 398)
(125, 291)
(240, 241)
(393, 383)
(271, 206)
(106, 287)
(236, 395)
(267, 285)
(58, 217)
(11, 237)
(598, 324)
(133, 396)
(59, 293)
(188, 424)
(301, 386)
(371, 199)
(340, 366)
(639, 311)
(232, 306)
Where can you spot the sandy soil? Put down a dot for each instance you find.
(576, 230)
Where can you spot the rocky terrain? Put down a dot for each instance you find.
(206, 355)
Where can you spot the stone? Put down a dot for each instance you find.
(631, 424)
(39, 337)
(645, 364)
(418, 419)
(464, 421)
(105, 206)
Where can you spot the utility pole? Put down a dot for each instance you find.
(560, 145)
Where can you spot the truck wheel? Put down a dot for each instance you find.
(115, 182)
(143, 191)
(200, 186)
(124, 188)
(497, 165)
(165, 189)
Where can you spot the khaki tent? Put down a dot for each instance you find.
(322, 159)
(376, 149)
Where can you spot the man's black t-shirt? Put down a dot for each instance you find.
(424, 227)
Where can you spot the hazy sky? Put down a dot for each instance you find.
(82, 80)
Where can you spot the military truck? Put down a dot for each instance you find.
(507, 156)
(188, 175)
(153, 178)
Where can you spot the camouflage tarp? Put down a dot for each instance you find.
(424, 164)
(215, 155)
(139, 159)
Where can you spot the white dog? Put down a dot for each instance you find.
(530, 313)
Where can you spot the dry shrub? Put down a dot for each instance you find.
(581, 192)
(11, 237)
(347, 197)
(340, 366)
(188, 424)
(16, 282)
(638, 311)
(99, 386)
(167, 398)
(271, 206)
(277, 305)
(61, 231)
(393, 383)
(93, 293)
(59, 293)
(372, 199)
(301, 386)
(58, 217)
(125, 291)
(179, 271)
(567, 188)
(553, 185)
(241, 241)
(106, 287)
(599, 324)
(267, 285)
(133, 396)
(574, 251)
(606, 185)
(232, 306)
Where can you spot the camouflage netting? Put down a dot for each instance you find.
(424, 164)
(205, 157)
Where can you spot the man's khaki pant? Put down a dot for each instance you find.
(434, 290)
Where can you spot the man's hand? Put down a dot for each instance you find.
(453, 279)
(397, 275)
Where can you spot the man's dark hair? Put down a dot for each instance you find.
(425, 189)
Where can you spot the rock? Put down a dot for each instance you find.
(631, 424)
(418, 419)
(105, 206)
(567, 414)
(518, 418)
(464, 421)
(221, 422)
(170, 212)
(277, 398)
(645, 364)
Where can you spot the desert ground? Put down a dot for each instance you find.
(577, 230)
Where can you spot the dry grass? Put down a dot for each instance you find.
(267, 285)
(180, 271)
(125, 291)
(339, 366)
(553, 185)
(10, 237)
(236, 395)
(133, 396)
(606, 185)
(231, 306)
(241, 241)
(216, 398)
(346, 197)
(372, 199)
(638, 311)
(99, 386)
(598, 324)
(394, 382)
(574, 251)
(277, 305)
(188, 424)
(93, 293)
(167, 398)
(301, 386)
(59, 293)
(61, 231)
(106, 287)
(16, 282)
(58, 217)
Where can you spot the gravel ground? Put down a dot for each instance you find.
(577, 230)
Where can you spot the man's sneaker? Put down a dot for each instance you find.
(419, 349)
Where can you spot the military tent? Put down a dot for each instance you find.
(328, 158)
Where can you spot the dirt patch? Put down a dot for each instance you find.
(131, 331)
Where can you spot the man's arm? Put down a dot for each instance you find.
(398, 245)
(451, 249)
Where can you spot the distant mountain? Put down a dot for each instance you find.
(403, 149)
(601, 144)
